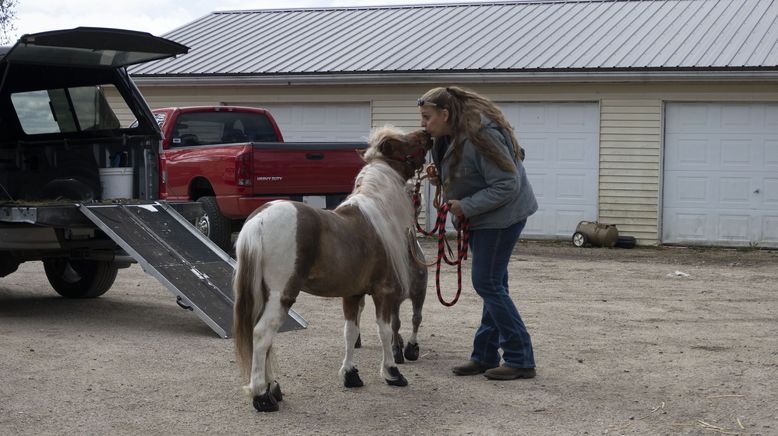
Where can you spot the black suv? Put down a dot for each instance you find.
(62, 144)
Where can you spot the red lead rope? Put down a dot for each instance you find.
(463, 235)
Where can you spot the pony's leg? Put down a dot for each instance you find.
(348, 372)
(358, 342)
(418, 293)
(397, 339)
(385, 307)
(270, 370)
(263, 362)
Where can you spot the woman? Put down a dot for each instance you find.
(483, 179)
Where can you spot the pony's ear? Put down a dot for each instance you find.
(386, 147)
(361, 152)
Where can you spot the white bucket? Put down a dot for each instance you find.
(116, 182)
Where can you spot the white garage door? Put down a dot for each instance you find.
(562, 163)
(721, 174)
(322, 122)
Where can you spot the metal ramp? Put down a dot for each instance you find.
(171, 249)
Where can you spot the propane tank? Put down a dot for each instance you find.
(594, 233)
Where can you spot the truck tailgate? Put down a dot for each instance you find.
(295, 168)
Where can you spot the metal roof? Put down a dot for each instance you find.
(501, 37)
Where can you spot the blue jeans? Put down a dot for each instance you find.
(501, 324)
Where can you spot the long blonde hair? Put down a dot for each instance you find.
(465, 109)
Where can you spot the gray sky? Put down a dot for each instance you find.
(156, 16)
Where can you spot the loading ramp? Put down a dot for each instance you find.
(170, 248)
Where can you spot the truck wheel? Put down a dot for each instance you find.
(214, 225)
(579, 239)
(80, 278)
(7, 264)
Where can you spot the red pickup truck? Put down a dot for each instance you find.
(234, 159)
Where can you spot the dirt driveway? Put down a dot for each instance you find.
(624, 345)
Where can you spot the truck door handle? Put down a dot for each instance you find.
(314, 156)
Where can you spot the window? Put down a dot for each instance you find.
(207, 128)
(67, 110)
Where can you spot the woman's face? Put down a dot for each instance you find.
(435, 121)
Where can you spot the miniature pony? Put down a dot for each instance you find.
(359, 248)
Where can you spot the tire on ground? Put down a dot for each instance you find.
(80, 278)
(215, 225)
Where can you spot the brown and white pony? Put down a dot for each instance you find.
(359, 248)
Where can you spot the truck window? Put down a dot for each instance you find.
(208, 128)
(67, 110)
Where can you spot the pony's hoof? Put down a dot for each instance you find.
(411, 351)
(358, 343)
(351, 379)
(397, 352)
(399, 380)
(266, 402)
(275, 389)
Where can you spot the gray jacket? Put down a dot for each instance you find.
(491, 198)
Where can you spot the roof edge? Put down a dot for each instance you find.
(463, 3)
(463, 77)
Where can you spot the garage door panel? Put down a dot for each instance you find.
(527, 117)
(537, 224)
(734, 228)
(540, 184)
(770, 231)
(768, 193)
(573, 188)
(562, 163)
(686, 117)
(687, 226)
(771, 153)
(738, 116)
(738, 154)
(575, 151)
(720, 173)
(735, 192)
(771, 117)
(688, 191)
(691, 152)
(575, 118)
(537, 149)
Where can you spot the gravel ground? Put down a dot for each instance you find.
(637, 341)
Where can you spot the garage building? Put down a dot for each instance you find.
(659, 116)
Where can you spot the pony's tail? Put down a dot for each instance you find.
(247, 285)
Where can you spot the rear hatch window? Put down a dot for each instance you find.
(68, 110)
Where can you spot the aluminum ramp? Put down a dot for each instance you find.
(171, 249)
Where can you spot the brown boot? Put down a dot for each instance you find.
(470, 368)
(508, 373)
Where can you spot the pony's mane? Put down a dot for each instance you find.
(380, 194)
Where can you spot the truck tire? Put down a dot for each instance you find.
(214, 225)
(80, 278)
(7, 264)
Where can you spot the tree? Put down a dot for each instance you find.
(7, 18)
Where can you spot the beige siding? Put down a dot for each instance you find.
(629, 162)
(630, 174)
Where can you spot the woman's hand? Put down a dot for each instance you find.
(456, 209)
(432, 174)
